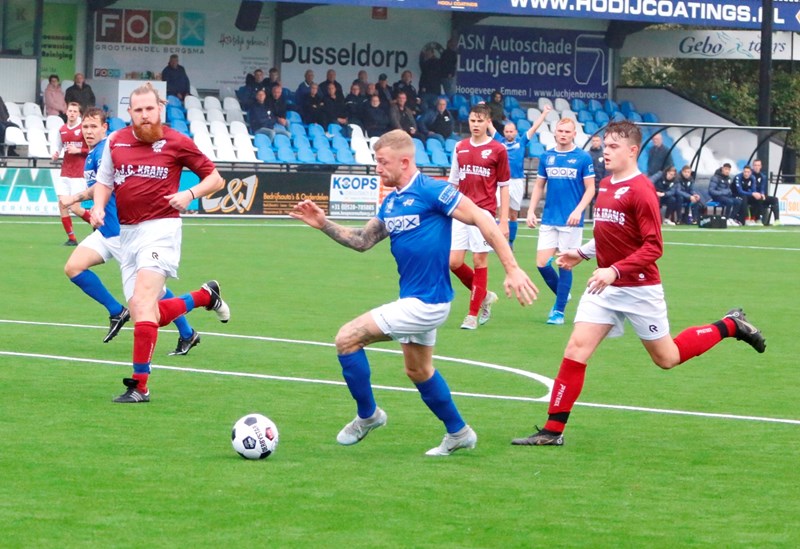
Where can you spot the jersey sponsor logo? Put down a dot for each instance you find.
(469, 169)
(120, 145)
(619, 192)
(90, 175)
(158, 145)
(555, 172)
(408, 202)
(155, 172)
(448, 194)
(122, 173)
(572, 160)
(402, 223)
(609, 215)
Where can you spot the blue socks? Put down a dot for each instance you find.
(355, 369)
(436, 394)
(183, 326)
(512, 233)
(550, 276)
(92, 286)
(564, 286)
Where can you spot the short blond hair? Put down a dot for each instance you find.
(397, 140)
(566, 120)
(144, 89)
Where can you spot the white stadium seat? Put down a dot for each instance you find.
(192, 102)
(211, 103)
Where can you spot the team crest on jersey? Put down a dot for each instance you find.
(447, 194)
(619, 192)
(408, 202)
(551, 160)
(158, 145)
(485, 154)
(389, 205)
(77, 132)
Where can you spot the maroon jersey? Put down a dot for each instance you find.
(144, 173)
(478, 170)
(627, 230)
(73, 164)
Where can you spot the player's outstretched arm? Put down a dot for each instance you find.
(517, 281)
(359, 239)
(86, 194)
(539, 121)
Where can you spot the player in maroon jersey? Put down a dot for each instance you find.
(71, 144)
(626, 285)
(480, 166)
(142, 165)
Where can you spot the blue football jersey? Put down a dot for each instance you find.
(111, 224)
(565, 173)
(516, 153)
(419, 225)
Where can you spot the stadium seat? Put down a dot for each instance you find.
(115, 123)
(560, 104)
(198, 127)
(52, 122)
(15, 136)
(569, 114)
(234, 116)
(231, 104)
(203, 142)
(226, 92)
(626, 107)
(245, 151)
(334, 129)
(29, 108)
(345, 156)
(594, 105)
(650, 117)
(577, 105)
(463, 113)
(297, 129)
(281, 141)
(14, 109)
(237, 127)
(211, 103)
(590, 127)
(325, 156)
(474, 99)
(450, 144)
(634, 116)
(320, 142)
(261, 140)
(218, 128)
(173, 101)
(552, 116)
(601, 118)
(585, 116)
(533, 114)
(439, 158)
(459, 101)
(523, 125)
(174, 113)
(215, 116)
(421, 157)
(286, 155)
(306, 155)
(293, 117)
(434, 144)
(193, 114)
(510, 103)
(37, 144)
(535, 149)
(34, 122)
(610, 107)
(192, 102)
(517, 114)
(542, 102)
(338, 142)
(300, 141)
(266, 154)
(177, 125)
(315, 129)
(617, 117)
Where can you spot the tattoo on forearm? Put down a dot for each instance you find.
(361, 239)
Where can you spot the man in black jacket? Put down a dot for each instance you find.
(437, 123)
(720, 189)
(80, 92)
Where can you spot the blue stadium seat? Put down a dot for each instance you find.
(280, 140)
(286, 155)
(293, 117)
(577, 105)
(321, 142)
(434, 144)
(518, 114)
(535, 149)
(297, 129)
(115, 123)
(463, 113)
(627, 108)
(325, 156)
(610, 107)
(179, 126)
(510, 103)
(306, 155)
(523, 125)
(173, 101)
(474, 99)
(601, 118)
(634, 116)
(585, 116)
(590, 127)
(338, 142)
(345, 156)
(650, 117)
(418, 143)
(594, 105)
(450, 144)
(261, 140)
(314, 130)
(459, 101)
(334, 128)
(265, 154)
(421, 157)
(300, 141)
(439, 158)
(617, 117)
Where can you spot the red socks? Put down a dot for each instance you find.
(201, 298)
(566, 389)
(697, 340)
(86, 216)
(142, 379)
(464, 274)
(67, 223)
(479, 283)
(170, 309)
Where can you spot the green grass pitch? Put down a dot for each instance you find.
(79, 471)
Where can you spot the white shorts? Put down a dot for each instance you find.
(409, 320)
(67, 186)
(469, 237)
(516, 190)
(154, 245)
(643, 306)
(559, 238)
(105, 247)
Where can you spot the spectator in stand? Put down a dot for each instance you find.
(260, 81)
(304, 88)
(176, 78)
(274, 79)
(80, 92)
(376, 119)
(384, 91)
(755, 197)
(354, 105)
(262, 119)
(770, 202)
(406, 85)
(691, 201)
(333, 109)
(277, 104)
(498, 111)
(666, 189)
(312, 111)
(362, 81)
(401, 117)
(720, 189)
(247, 94)
(448, 64)
(330, 78)
(430, 78)
(5, 123)
(437, 123)
(54, 101)
(596, 152)
(658, 158)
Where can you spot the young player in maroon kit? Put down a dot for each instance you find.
(74, 148)
(480, 166)
(626, 285)
(142, 165)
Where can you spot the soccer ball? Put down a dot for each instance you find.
(254, 436)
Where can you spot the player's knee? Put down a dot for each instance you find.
(72, 270)
(455, 264)
(665, 363)
(346, 341)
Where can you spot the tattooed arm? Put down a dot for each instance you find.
(86, 194)
(359, 239)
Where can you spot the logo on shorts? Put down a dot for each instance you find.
(155, 255)
(158, 145)
(653, 329)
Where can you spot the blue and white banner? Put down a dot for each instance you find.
(354, 196)
(531, 63)
(738, 14)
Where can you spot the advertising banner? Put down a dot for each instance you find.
(26, 191)
(744, 14)
(532, 63)
(708, 44)
(354, 196)
(58, 40)
(789, 203)
(134, 39)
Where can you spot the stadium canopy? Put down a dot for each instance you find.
(739, 14)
